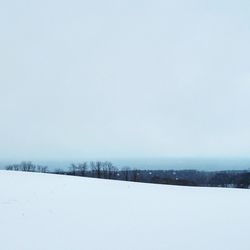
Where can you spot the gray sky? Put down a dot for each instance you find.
(124, 78)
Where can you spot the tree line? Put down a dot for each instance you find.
(96, 169)
(106, 170)
(27, 166)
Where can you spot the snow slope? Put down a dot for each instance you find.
(52, 212)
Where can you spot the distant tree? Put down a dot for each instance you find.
(44, 169)
(105, 170)
(9, 167)
(27, 166)
(96, 168)
(82, 168)
(73, 169)
(135, 174)
(125, 173)
(243, 181)
(111, 170)
(16, 167)
(58, 171)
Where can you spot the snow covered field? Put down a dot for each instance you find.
(52, 212)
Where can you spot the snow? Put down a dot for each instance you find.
(53, 212)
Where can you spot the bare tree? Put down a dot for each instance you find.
(114, 172)
(110, 169)
(58, 171)
(105, 172)
(39, 168)
(135, 174)
(9, 167)
(93, 168)
(82, 168)
(27, 166)
(96, 168)
(16, 167)
(44, 169)
(125, 173)
(73, 169)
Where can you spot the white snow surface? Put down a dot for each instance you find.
(53, 212)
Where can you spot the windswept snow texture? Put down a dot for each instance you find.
(52, 212)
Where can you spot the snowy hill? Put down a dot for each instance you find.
(52, 212)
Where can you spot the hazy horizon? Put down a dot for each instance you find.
(161, 163)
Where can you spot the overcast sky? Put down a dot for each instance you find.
(124, 78)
